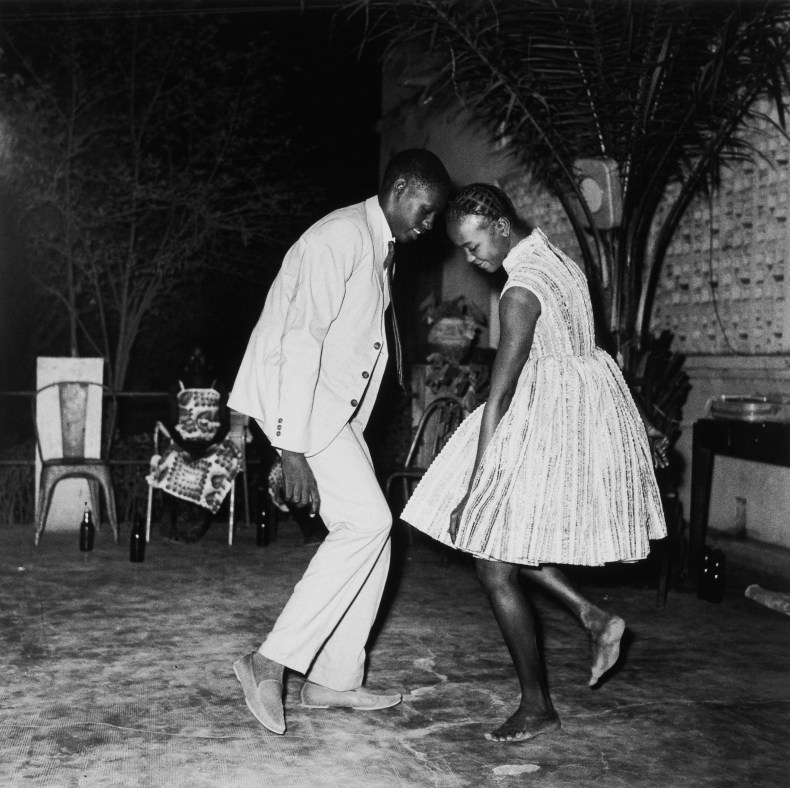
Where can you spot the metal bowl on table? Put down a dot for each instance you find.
(752, 407)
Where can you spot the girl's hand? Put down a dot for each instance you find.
(455, 517)
(659, 446)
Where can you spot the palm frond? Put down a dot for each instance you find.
(669, 89)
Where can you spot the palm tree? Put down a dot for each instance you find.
(666, 92)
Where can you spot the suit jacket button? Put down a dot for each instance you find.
(354, 403)
(377, 345)
(366, 374)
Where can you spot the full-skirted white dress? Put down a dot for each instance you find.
(567, 477)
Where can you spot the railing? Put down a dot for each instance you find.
(16, 486)
(121, 395)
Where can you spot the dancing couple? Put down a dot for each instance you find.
(555, 468)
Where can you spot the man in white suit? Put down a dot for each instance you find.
(310, 377)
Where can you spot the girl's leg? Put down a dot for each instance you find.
(514, 614)
(605, 630)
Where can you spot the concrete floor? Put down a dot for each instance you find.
(119, 674)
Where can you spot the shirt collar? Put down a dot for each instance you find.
(381, 232)
(384, 227)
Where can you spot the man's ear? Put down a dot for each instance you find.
(399, 187)
(503, 225)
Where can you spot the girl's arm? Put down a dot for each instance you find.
(519, 310)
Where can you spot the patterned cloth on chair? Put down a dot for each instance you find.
(198, 414)
(205, 474)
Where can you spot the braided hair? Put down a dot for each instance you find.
(480, 199)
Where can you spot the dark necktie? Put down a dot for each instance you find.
(389, 270)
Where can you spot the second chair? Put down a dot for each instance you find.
(438, 422)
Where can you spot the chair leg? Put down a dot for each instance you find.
(109, 493)
(94, 484)
(148, 513)
(46, 488)
(113, 513)
(672, 516)
(246, 498)
(230, 515)
(40, 514)
(409, 529)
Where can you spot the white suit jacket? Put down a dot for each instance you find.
(317, 354)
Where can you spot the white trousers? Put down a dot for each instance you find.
(324, 626)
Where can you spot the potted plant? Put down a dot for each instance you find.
(453, 325)
(466, 382)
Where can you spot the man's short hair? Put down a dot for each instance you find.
(419, 166)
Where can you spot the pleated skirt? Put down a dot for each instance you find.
(567, 477)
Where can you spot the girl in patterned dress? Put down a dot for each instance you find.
(556, 467)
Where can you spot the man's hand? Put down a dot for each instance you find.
(299, 482)
(455, 517)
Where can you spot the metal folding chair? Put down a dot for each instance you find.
(73, 399)
(438, 422)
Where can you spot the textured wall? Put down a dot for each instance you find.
(540, 209)
(738, 268)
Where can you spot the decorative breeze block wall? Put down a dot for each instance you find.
(734, 265)
(737, 269)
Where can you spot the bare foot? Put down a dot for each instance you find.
(605, 634)
(524, 725)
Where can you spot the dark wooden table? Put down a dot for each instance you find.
(759, 441)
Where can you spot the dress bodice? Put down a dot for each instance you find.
(565, 326)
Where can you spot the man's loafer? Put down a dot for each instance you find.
(264, 698)
(314, 696)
